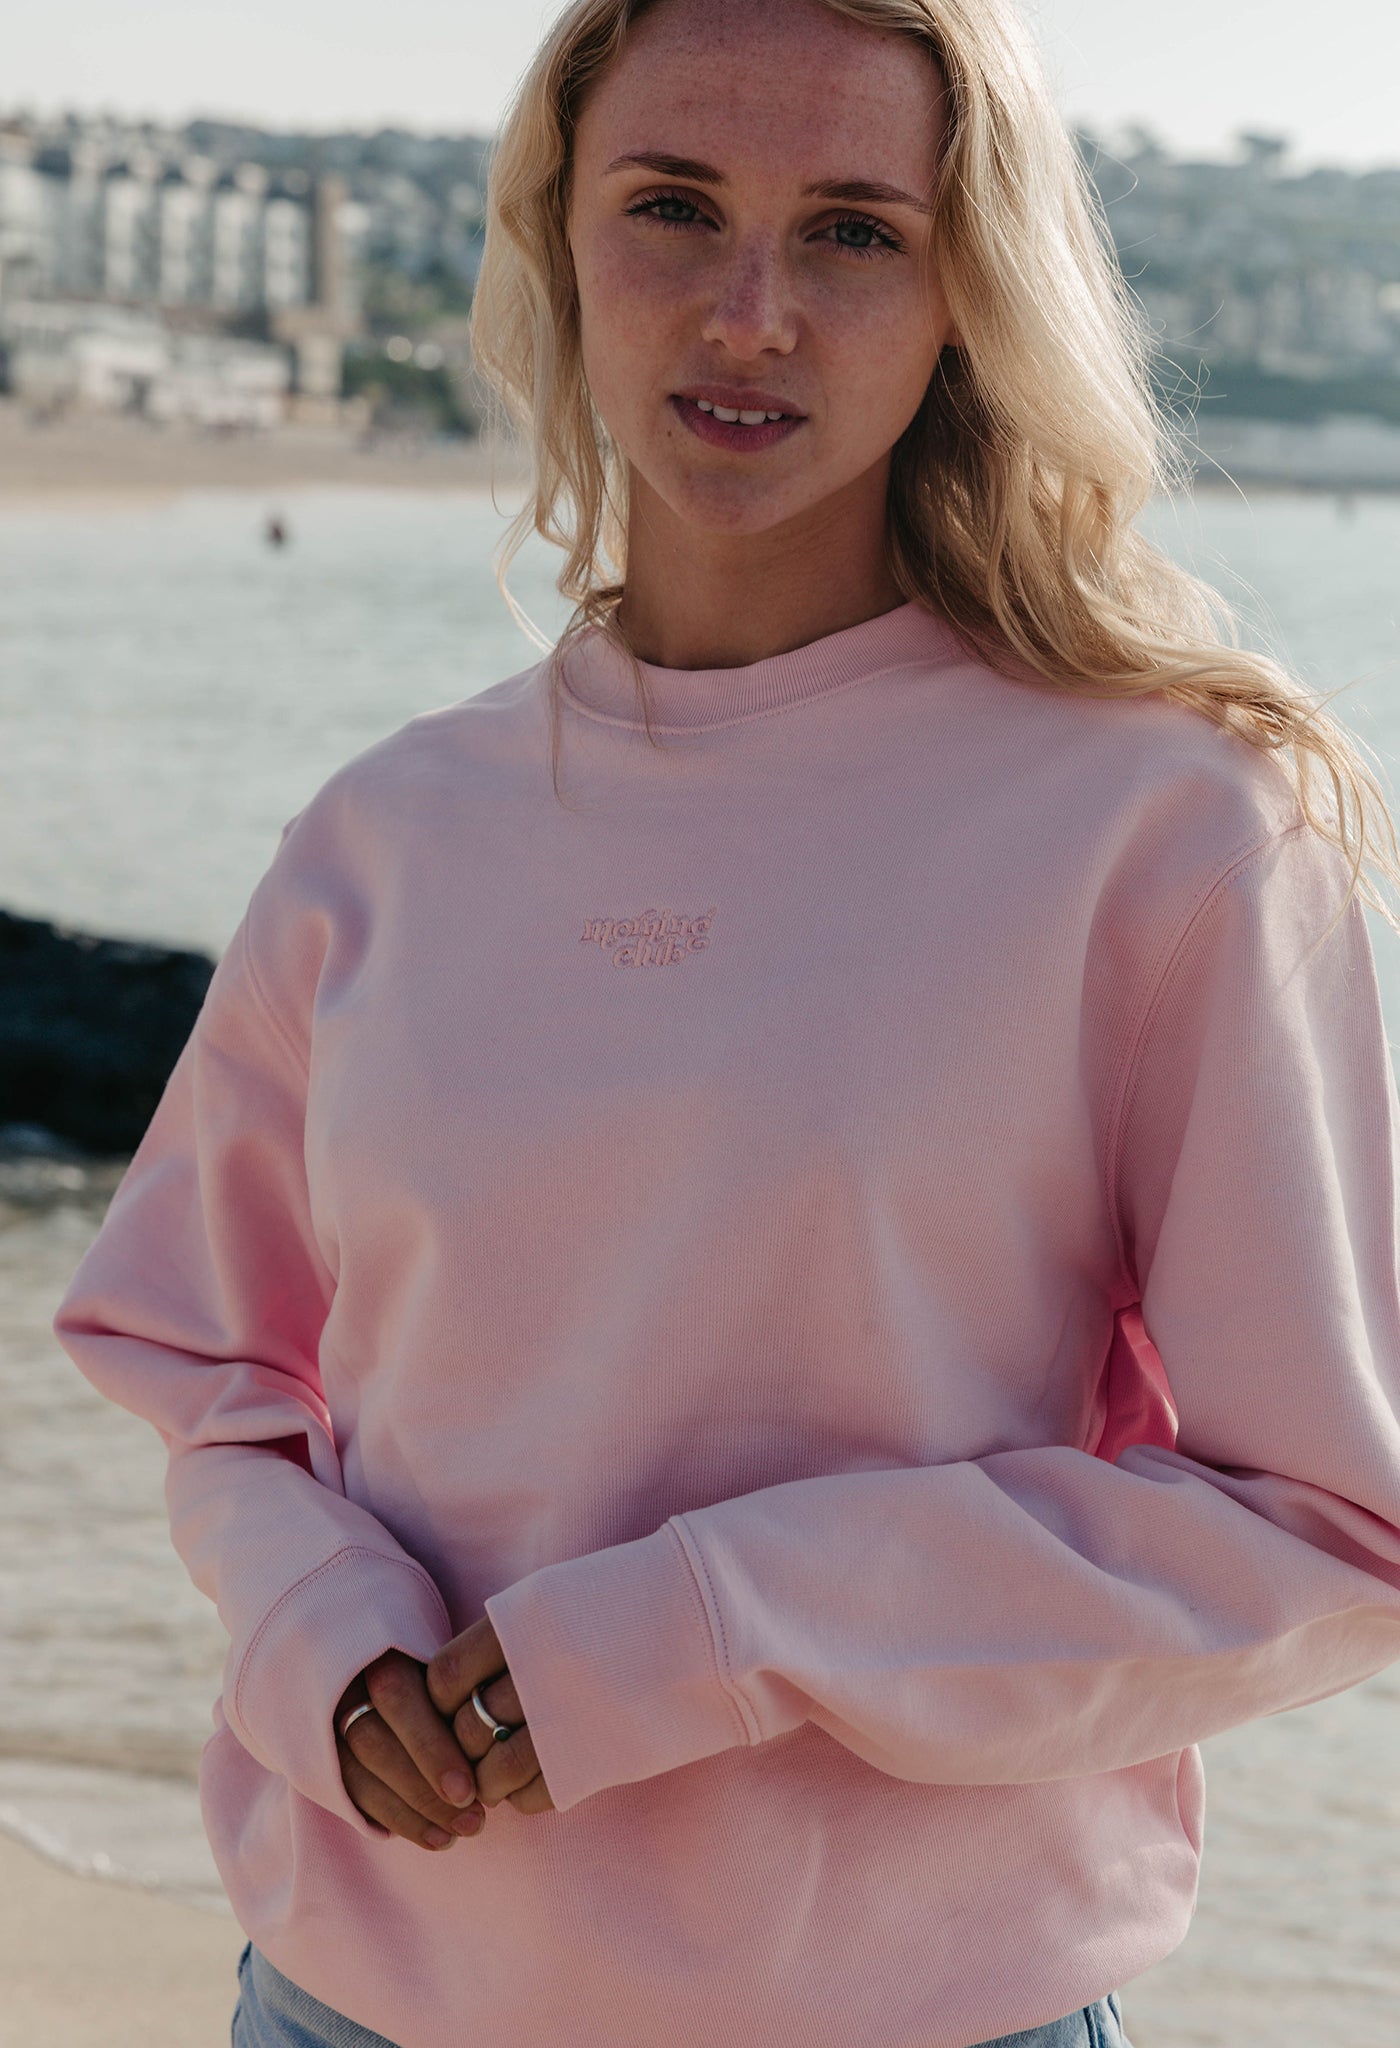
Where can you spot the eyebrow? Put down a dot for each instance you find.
(869, 191)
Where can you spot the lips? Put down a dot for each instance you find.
(742, 398)
(734, 435)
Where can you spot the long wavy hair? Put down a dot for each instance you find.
(1014, 491)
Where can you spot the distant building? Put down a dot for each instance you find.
(136, 271)
(317, 328)
(140, 229)
(22, 226)
(212, 381)
(223, 215)
(184, 270)
(130, 247)
(64, 355)
(1283, 277)
(287, 242)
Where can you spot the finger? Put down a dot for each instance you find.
(508, 1768)
(501, 1700)
(399, 1691)
(374, 1745)
(470, 1658)
(378, 1802)
(532, 1798)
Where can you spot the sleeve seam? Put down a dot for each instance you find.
(347, 1550)
(1156, 995)
(714, 1630)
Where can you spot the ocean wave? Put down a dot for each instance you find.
(133, 1828)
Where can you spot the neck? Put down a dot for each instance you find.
(698, 599)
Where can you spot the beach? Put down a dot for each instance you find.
(91, 1965)
(111, 456)
(107, 457)
(173, 689)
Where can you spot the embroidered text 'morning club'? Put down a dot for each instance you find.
(654, 938)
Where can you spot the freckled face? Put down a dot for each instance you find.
(830, 304)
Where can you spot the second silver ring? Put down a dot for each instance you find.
(499, 1731)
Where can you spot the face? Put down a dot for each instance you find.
(772, 255)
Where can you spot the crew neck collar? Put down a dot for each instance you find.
(597, 677)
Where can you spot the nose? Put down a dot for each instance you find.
(752, 312)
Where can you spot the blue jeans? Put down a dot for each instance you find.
(272, 2012)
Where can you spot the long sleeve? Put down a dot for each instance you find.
(199, 1306)
(1041, 1613)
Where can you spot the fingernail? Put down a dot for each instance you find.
(437, 1838)
(457, 1787)
(468, 1823)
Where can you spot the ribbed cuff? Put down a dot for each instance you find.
(308, 1647)
(614, 1661)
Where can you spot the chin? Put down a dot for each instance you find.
(735, 505)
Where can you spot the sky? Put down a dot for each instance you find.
(1195, 72)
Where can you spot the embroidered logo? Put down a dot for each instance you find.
(654, 938)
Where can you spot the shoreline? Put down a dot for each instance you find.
(107, 459)
(142, 1830)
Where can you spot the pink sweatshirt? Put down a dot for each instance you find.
(865, 1240)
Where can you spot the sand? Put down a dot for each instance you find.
(109, 457)
(85, 1964)
(1295, 1941)
(112, 456)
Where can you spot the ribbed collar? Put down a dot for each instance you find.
(598, 681)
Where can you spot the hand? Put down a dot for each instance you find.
(504, 1770)
(400, 1765)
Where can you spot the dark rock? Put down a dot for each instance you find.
(90, 1029)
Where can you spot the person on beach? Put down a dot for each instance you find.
(770, 1272)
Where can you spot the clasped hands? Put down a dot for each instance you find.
(424, 1764)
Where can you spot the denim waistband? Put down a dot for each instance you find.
(273, 2012)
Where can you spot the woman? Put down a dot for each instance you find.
(757, 1337)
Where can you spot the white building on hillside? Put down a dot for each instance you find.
(184, 258)
(287, 241)
(130, 241)
(144, 231)
(95, 358)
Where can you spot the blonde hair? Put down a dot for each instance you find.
(1014, 490)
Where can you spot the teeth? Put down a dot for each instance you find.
(732, 417)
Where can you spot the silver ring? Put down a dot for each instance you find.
(365, 1707)
(499, 1731)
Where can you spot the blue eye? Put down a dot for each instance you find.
(651, 203)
